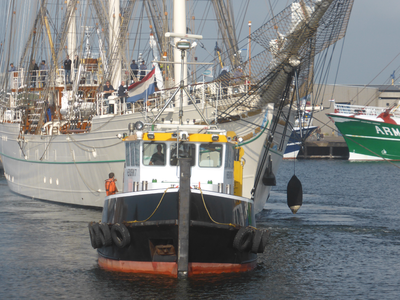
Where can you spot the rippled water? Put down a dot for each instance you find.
(343, 244)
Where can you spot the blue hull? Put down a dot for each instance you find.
(295, 141)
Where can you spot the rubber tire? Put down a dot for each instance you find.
(255, 246)
(264, 240)
(94, 232)
(120, 235)
(105, 235)
(243, 239)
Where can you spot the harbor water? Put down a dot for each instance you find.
(344, 243)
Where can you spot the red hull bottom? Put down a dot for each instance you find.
(171, 268)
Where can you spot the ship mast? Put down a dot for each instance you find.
(179, 27)
(225, 18)
(114, 17)
(71, 50)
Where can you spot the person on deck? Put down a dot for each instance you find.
(158, 157)
(122, 91)
(76, 65)
(134, 70)
(43, 72)
(76, 62)
(143, 69)
(111, 188)
(67, 68)
(12, 68)
(33, 68)
(108, 89)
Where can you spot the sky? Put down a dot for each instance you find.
(371, 44)
(371, 50)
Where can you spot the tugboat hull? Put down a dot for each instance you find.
(151, 219)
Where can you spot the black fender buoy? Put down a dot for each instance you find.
(243, 239)
(120, 235)
(105, 235)
(294, 194)
(94, 232)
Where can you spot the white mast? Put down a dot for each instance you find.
(113, 38)
(179, 24)
(71, 34)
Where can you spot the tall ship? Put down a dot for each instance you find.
(371, 133)
(61, 128)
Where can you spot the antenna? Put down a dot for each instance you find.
(184, 36)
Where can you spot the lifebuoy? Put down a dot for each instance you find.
(94, 232)
(243, 239)
(105, 235)
(120, 235)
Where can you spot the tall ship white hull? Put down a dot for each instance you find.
(72, 168)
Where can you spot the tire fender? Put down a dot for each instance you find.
(243, 239)
(94, 232)
(264, 240)
(105, 235)
(120, 235)
(255, 246)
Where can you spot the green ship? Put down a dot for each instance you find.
(371, 133)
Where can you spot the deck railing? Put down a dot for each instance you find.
(359, 109)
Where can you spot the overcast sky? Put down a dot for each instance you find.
(372, 42)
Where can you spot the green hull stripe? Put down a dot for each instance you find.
(63, 163)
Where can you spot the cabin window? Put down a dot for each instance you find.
(229, 157)
(185, 150)
(132, 152)
(154, 154)
(135, 154)
(210, 155)
(127, 155)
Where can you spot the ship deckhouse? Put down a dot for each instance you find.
(152, 160)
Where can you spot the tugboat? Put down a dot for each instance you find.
(181, 212)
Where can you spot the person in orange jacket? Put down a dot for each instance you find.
(111, 188)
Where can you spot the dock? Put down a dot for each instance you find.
(331, 147)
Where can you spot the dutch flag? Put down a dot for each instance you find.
(142, 89)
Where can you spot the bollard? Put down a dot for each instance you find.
(228, 189)
(144, 185)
